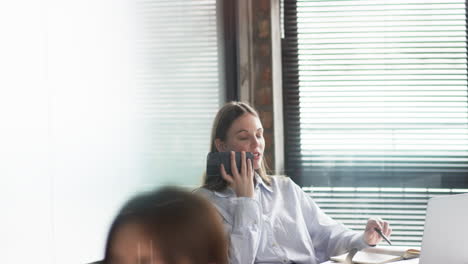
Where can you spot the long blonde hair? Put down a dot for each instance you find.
(224, 118)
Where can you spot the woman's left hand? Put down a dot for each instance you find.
(371, 236)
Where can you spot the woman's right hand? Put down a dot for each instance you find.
(241, 182)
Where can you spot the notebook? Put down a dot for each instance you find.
(380, 255)
(445, 237)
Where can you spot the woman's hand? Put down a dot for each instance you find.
(241, 182)
(371, 236)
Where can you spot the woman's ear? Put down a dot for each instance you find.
(220, 146)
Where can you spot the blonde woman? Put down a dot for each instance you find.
(270, 219)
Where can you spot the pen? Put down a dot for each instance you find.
(382, 235)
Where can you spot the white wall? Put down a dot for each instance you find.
(25, 182)
(72, 140)
(69, 154)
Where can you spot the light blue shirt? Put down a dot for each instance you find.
(280, 224)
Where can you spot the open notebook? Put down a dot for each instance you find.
(378, 255)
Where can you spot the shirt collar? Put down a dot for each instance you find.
(260, 182)
(225, 193)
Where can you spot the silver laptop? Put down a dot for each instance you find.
(445, 238)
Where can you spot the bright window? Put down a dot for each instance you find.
(376, 93)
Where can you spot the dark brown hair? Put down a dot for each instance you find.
(229, 113)
(182, 224)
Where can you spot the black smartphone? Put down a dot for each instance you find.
(215, 159)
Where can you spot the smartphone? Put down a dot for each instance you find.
(215, 159)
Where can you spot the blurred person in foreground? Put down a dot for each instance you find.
(166, 226)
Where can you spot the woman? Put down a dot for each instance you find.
(270, 219)
(169, 226)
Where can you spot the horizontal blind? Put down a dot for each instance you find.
(178, 51)
(376, 92)
(404, 208)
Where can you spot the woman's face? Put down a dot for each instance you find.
(245, 134)
(132, 246)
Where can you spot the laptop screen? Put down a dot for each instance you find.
(445, 238)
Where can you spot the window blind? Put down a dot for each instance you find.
(178, 51)
(404, 208)
(376, 92)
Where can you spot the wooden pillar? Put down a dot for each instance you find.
(259, 70)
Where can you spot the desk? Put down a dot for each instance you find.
(407, 261)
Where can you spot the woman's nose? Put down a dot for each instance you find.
(254, 142)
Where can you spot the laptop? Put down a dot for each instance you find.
(445, 238)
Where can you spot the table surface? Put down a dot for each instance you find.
(407, 261)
